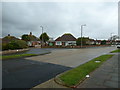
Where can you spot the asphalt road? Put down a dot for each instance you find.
(29, 72)
(72, 57)
(21, 73)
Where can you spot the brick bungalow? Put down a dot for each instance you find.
(66, 40)
(98, 42)
(33, 41)
(9, 38)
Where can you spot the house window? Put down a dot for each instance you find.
(58, 43)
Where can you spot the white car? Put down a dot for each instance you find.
(118, 46)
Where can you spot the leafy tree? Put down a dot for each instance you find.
(103, 42)
(26, 37)
(21, 43)
(44, 36)
(114, 37)
(15, 44)
(84, 41)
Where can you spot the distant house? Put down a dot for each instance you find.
(118, 42)
(9, 38)
(108, 42)
(33, 40)
(51, 42)
(88, 41)
(98, 42)
(66, 40)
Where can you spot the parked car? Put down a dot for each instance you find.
(118, 46)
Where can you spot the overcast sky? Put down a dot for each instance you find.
(57, 18)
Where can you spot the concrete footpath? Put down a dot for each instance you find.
(106, 76)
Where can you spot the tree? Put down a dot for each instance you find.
(114, 37)
(84, 41)
(25, 37)
(103, 42)
(14, 44)
(45, 37)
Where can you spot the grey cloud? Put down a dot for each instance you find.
(58, 18)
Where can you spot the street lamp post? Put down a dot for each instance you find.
(42, 36)
(82, 33)
(111, 38)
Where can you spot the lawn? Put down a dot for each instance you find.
(16, 56)
(115, 51)
(74, 76)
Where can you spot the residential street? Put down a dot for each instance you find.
(31, 71)
(72, 57)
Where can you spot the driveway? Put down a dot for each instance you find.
(31, 71)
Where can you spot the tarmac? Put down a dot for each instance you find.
(106, 76)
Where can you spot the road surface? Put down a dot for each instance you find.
(31, 71)
(72, 57)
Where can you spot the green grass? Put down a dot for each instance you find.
(115, 51)
(74, 76)
(16, 56)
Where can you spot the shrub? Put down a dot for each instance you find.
(16, 44)
(4, 46)
(21, 43)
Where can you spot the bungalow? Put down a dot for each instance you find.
(66, 40)
(117, 42)
(108, 42)
(51, 42)
(33, 40)
(9, 38)
(89, 41)
(98, 42)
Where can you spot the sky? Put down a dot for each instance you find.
(57, 18)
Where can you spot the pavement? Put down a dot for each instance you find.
(31, 71)
(106, 76)
(33, 51)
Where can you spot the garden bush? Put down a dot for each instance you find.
(16, 44)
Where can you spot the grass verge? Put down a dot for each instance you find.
(16, 56)
(74, 76)
(115, 51)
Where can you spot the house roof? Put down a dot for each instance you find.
(98, 40)
(91, 39)
(8, 39)
(66, 37)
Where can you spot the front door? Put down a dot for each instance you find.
(63, 43)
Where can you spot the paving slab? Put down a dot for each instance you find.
(49, 84)
(106, 76)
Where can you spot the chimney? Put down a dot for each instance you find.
(30, 33)
(8, 34)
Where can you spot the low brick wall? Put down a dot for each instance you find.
(12, 51)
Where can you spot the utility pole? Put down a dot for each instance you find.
(82, 33)
(111, 38)
(42, 36)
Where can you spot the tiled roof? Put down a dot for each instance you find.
(66, 37)
(91, 39)
(8, 39)
(98, 40)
